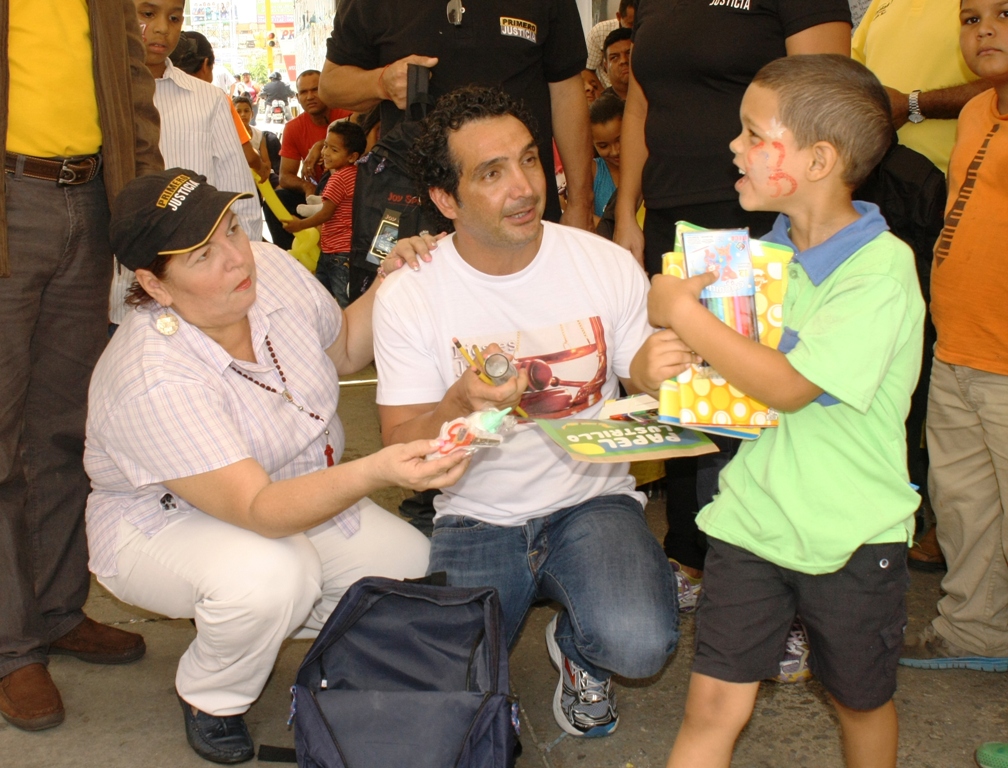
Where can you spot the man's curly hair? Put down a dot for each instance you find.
(432, 162)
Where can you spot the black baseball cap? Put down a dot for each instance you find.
(163, 213)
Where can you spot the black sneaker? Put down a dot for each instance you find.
(217, 739)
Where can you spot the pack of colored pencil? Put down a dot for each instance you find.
(747, 296)
(732, 299)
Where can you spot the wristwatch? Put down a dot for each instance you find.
(915, 115)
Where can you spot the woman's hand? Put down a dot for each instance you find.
(313, 159)
(406, 465)
(410, 251)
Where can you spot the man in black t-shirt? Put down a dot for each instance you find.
(535, 52)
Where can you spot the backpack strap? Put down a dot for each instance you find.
(418, 100)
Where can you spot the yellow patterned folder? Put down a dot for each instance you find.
(703, 396)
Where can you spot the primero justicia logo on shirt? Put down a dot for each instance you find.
(518, 28)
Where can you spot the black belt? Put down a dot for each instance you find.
(62, 170)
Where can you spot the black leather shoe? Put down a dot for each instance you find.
(217, 739)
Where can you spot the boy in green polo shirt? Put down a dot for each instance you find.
(814, 517)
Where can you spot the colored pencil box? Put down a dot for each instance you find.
(703, 396)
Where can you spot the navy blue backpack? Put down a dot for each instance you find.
(407, 674)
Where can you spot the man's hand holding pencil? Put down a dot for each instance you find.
(475, 389)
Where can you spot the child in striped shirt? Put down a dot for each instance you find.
(344, 144)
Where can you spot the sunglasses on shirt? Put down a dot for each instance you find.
(455, 11)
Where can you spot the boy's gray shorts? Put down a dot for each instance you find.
(855, 619)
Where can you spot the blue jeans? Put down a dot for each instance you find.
(598, 560)
(333, 271)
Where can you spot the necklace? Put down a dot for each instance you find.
(286, 395)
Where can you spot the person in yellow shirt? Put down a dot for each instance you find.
(55, 271)
(912, 46)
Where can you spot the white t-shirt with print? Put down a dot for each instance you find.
(574, 318)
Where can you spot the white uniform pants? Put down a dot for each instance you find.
(248, 593)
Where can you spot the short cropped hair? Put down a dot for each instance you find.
(431, 159)
(241, 99)
(832, 98)
(617, 35)
(605, 108)
(624, 5)
(353, 137)
(307, 72)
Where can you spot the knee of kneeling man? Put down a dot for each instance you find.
(637, 653)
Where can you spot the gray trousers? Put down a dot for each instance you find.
(53, 328)
(967, 434)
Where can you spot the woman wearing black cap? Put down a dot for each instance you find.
(213, 446)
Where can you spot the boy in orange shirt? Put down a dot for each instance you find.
(968, 400)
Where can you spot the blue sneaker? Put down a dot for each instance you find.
(582, 705)
(929, 650)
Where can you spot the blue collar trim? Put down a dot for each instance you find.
(820, 261)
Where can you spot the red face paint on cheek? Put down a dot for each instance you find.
(779, 180)
(783, 183)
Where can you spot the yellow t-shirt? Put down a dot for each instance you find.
(913, 45)
(52, 106)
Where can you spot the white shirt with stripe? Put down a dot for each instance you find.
(167, 407)
(198, 133)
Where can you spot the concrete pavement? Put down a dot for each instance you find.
(119, 717)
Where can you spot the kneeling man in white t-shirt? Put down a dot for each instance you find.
(571, 310)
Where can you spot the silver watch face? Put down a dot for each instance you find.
(913, 105)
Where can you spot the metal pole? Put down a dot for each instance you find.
(269, 28)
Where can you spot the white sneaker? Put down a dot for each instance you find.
(688, 589)
(582, 705)
(794, 666)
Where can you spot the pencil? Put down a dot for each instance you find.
(717, 305)
(481, 374)
(728, 309)
(469, 360)
(742, 314)
(479, 356)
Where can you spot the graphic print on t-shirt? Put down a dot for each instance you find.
(739, 5)
(955, 213)
(518, 28)
(566, 364)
